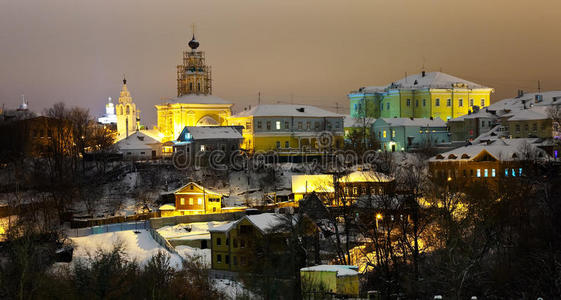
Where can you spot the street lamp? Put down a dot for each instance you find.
(378, 217)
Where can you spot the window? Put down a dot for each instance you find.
(535, 127)
(355, 190)
(182, 201)
(356, 107)
(478, 172)
(218, 241)
(199, 86)
(379, 134)
(286, 144)
(519, 171)
(268, 125)
(286, 125)
(382, 106)
(517, 126)
(142, 153)
(470, 102)
(219, 258)
(393, 133)
(460, 102)
(486, 173)
(316, 125)
(482, 123)
(242, 243)
(278, 144)
(200, 201)
(388, 106)
(424, 102)
(190, 86)
(259, 124)
(506, 172)
(300, 125)
(384, 134)
(202, 148)
(408, 102)
(526, 127)
(235, 243)
(416, 102)
(235, 260)
(448, 102)
(277, 125)
(227, 259)
(493, 174)
(437, 102)
(482, 102)
(308, 125)
(190, 201)
(248, 125)
(513, 172)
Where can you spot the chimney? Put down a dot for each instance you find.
(301, 109)
(520, 93)
(423, 74)
(414, 83)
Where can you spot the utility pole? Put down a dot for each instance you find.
(259, 98)
(337, 107)
(539, 86)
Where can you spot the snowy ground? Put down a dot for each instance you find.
(140, 247)
(233, 289)
(190, 253)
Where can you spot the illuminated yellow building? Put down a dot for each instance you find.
(424, 95)
(289, 128)
(195, 105)
(127, 114)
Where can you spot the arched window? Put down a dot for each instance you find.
(128, 109)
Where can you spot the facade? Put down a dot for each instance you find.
(424, 95)
(352, 185)
(109, 117)
(233, 245)
(195, 105)
(127, 113)
(139, 146)
(530, 123)
(35, 136)
(405, 134)
(340, 280)
(194, 199)
(289, 128)
(488, 163)
(195, 140)
(472, 125)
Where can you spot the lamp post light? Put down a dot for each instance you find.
(378, 217)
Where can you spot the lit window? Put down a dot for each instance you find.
(437, 102)
(460, 102)
(520, 172)
(486, 173)
(478, 172)
(278, 125)
(190, 201)
(513, 172)
(408, 102)
(384, 134)
(482, 102)
(182, 201)
(200, 201)
(493, 173)
(355, 190)
(393, 133)
(506, 172)
(470, 102)
(202, 147)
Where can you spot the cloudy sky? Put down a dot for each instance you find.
(303, 51)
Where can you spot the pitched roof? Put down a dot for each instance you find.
(502, 149)
(211, 132)
(415, 122)
(286, 110)
(431, 80)
(265, 222)
(198, 186)
(533, 113)
(342, 270)
(137, 141)
(548, 98)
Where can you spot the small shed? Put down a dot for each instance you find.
(339, 280)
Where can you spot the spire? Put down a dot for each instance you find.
(124, 79)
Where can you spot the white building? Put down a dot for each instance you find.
(109, 117)
(139, 146)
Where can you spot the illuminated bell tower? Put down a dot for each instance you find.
(127, 114)
(193, 76)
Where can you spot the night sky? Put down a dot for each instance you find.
(303, 51)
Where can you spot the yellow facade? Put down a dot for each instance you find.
(231, 250)
(173, 117)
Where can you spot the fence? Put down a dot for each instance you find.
(162, 241)
(172, 221)
(79, 232)
(77, 223)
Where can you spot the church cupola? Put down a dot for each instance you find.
(193, 43)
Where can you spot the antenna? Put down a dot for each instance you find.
(539, 86)
(405, 77)
(193, 29)
(259, 98)
(337, 105)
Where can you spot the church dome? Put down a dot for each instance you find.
(193, 43)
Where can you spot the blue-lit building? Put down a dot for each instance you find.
(405, 134)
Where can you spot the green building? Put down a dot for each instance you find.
(405, 134)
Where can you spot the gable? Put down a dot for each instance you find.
(190, 188)
(484, 155)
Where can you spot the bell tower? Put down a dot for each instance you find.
(127, 114)
(193, 76)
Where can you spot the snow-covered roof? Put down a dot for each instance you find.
(213, 132)
(431, 80)
(198, 99)
(532, 113)
(501, 149)
(198, 186)
(167, 207)
(480, 114)
(548, 98)
(137, 141)
(357, 122)
(265, 222)
(342, 270)
(414, 122)
(286, 110)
